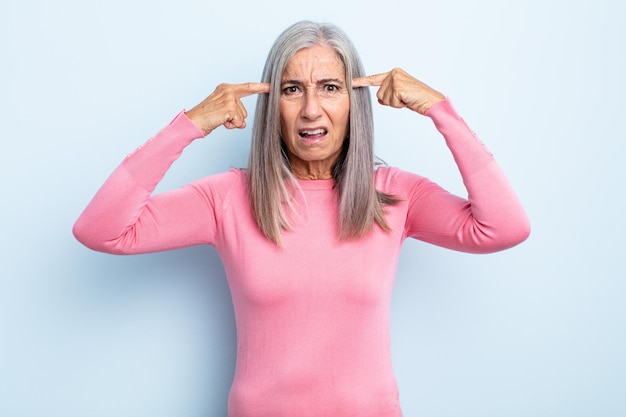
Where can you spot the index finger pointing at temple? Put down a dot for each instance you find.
(369, 81)
(248, 89)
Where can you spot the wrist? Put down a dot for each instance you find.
(191, 116)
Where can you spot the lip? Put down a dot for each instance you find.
(319, 133)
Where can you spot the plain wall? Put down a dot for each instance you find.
(534, 331)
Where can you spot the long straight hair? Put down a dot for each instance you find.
(271, 183)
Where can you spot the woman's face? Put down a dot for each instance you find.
(314, 111)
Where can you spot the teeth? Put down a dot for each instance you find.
(312, 132)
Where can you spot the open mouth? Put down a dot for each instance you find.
(310, 134)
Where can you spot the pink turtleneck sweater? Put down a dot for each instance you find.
(313, 315)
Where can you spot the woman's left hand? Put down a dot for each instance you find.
(399, 89)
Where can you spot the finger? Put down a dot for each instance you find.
(234, 125)
(238, 117)
(247, 89)
(369, 81)
(236, 121)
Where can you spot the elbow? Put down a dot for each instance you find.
(84, 234)
(93, 236)
(87, 234)
(523, 231)
(520, 229)
(498, 238)
(80, 232)
(513, 234)
(517, 236)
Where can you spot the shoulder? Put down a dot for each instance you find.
(232, 177)
(392, 180)
(221, 186)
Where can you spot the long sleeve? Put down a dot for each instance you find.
(124, 218)
(490, 219)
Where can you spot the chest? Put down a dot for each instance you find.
(312, 265)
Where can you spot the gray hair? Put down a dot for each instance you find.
(270, 181)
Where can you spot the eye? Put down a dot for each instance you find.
(291, 90)
(331, 88)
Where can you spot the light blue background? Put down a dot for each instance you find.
(535, 331)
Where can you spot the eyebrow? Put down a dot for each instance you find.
(322, 81)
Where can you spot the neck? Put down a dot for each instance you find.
(311, 174)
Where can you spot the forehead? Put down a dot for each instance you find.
(318, 61)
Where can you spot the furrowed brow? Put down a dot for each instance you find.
(292, 82)
(319, 82)
(330, 81)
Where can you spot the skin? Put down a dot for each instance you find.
(314, 111)
(313, 95)
(399, 89)
(224, 107)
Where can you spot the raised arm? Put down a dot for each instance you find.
(124, 217)
(491, 218)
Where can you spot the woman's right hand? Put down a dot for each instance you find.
(224, 107)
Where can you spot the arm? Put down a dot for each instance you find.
(492, 217)
(124, 217)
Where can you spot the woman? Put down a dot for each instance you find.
(311, 232)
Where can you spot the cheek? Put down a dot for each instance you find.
(286, 116)
(342, 106)
(342, 115)
(283, 121)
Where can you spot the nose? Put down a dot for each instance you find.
(311, 106)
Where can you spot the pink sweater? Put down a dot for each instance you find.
(312, 316)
